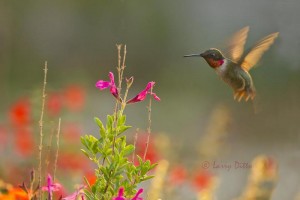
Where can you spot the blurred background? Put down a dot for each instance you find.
(78, 39)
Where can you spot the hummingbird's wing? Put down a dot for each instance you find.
(257, 51)
(235, 47)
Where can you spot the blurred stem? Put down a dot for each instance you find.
(57, 148)
(41, 129)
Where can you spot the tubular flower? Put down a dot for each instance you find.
(142, 95)
(136, 197)
(109, 84)
(51, 187)
(78, 193)
(120, 195)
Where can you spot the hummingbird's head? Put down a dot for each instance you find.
(213, 57)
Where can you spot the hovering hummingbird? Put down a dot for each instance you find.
(235, 70)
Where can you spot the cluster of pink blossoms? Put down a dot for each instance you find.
(114, 90)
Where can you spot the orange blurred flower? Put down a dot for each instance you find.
(71, 132)
(177, 175)
(203, 180)
(14, 194)
(54, 103)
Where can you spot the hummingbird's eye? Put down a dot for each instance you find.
(213, 55)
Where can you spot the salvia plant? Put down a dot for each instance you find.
(110, 151)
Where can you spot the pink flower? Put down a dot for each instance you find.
(120, 195)
(142, 95)
(109, 84)
(76, 194)
(136, 197)
(51, 187)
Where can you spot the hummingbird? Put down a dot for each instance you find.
(234, 70)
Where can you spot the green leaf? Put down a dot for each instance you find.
(101, 126)
(85, 153)
(146, 178)
(95, 147)
(123, 128)
(140, 159)
(128, 150)
(121, 120)
(153, 165)
(109, 123)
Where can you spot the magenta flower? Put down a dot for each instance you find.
(136, 197)
(78, 193)
(109, 84)
(51, 187)
(120, 195)
(142, 95)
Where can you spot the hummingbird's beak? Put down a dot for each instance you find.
(193, 55)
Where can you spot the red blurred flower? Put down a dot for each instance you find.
(54, 103)
(19, 113)
(109, 84)
(3, 137)
(177, 175)
(74, 97)
(73, 161)
(24, 141)
(152, 154)
(91, 178)
(143, 94)
(202, 180)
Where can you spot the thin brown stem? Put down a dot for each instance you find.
(57, 147)
(119, 46)
(41, 123)
(149, 127)
(123, 66)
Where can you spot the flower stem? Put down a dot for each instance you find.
(149, 127)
